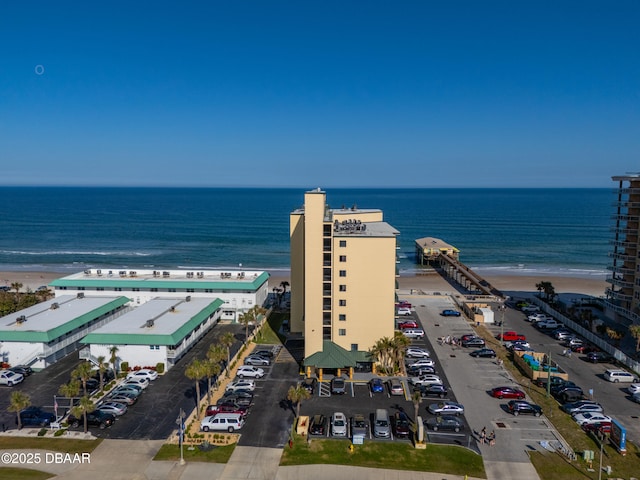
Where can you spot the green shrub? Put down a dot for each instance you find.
(42, 432)
(59, 433)
(124, 366)
(160, 368)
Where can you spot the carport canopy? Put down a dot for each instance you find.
(333, 356)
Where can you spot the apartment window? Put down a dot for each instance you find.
(343, 243)
(343, 303)
(343, 288)
(342, 332)
(343, 273)
(354, 347)
(343, 258)
(342, 317)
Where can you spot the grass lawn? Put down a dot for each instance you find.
(436, 458)
(216, 455)
(268, 333)
(54, 444)
(23, 474)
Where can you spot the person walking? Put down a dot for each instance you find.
(483, 435)
(491, 438)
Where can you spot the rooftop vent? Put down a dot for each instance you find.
(188, 298)
(55, 305)
(172, 309)
(80, 295)
(149, 324)
(21, 319)
(87, 272)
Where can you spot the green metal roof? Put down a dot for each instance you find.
(149, 283)
(150, 339)
(334, 356)
(56, 332)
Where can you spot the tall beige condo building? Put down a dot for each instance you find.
(623, 296)
(343, 276)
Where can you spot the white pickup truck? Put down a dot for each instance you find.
(550, 324)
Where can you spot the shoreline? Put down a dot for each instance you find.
(508, 283)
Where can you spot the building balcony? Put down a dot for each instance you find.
(622, 256)
(618, 295)
(621, 269)
(627, 191)
(625, 217)
(625, 204)
(629, 246)
(619, 282)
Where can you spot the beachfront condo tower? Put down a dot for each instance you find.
(623, 296)
(343, 281)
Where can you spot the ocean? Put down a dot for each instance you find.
(512, 231)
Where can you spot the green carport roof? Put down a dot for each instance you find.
(334, 356)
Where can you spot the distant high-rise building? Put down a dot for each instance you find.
(343, 281)
(623, 296)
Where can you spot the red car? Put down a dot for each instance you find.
(507, 392)
(403, 305)
(511, 336)
(226, 408)
(408, 324)
(598, 427)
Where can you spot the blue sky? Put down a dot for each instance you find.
(308, 93)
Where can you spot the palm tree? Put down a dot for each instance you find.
(196, 371)
(634, 330)
(102, 368)
(539, 287)
(251, 317)
(399, 345)
(84, 406)
(296, 395)
(416, 399)
(70, 390)
(113, 359)
(284, 286)
(227, 340)
(211, 369)
(16, 286)
(382, 352)
(84, 372)
(18, 402)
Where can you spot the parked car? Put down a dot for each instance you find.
(227, 407)
(616, 376)
(529, 308)
(583, 418)
(633, 388)
(246, 385)
(114, 408)
(581, 406)
(510, 336)
(395, 386)
(569, 394)
(126, 398)
(549, 324)
(381, 423)
(542, 381)
(36, 417)
(318, 425)
(96, 418)
(450, 313)
(413, 332)
(229, 422)
(415, 352)
(338, 386)
(376, 385)
(562, 334)
(425, 379)
(359, 426)
(473, 342)
(423, 362)
(401, 425)
(137, 381)
(127, 390)
(558, 385)
(257, 360)
(444, 422)
(9, 378)
(635, 397)
(238, 398)
(264, 353)
(599, 357)
(538, 316)
(598, 427)
(507, 392)
(249, 371)
(338, 425)
(418, 371)
(520, 407)
(147, 373)
(404, 311)
(310, 384)
(22, 370)
(484, 353)
(407, 324)
(446, 408)
(432, 390)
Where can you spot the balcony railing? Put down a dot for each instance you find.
(619, 282)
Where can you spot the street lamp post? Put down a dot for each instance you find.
(180, 422)
(502, 309)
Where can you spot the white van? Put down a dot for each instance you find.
(222, 422)
(616, 376)
(413, 332)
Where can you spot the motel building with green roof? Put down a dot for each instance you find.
(160, 331)
(44, 333)
(239, 290)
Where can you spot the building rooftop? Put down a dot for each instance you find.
(178, 279)
(49, 320)
(432, 243)
(161, 321)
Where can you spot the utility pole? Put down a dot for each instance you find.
(180, 422)
(549, 374)
(502, 309)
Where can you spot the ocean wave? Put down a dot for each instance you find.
(77, 252)
(524, 270)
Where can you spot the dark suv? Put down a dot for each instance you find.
(35, 417)
(519, 407)
(401, 425)
(599, 357)
(432, 390)
(94, 419)
(338, 386)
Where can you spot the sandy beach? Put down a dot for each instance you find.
(509, 284)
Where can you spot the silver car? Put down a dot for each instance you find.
(338, 425)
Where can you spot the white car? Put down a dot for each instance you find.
(248, 385)
(588, 418)
(249, 371)
(530, 309)
(9, 378)
(633, 388)
(404, 311)
(338, 425)
(423, 362)
(139, 381)
(427, 379)
(147, 373)
(415, 352)
(446, 408)
(537, 317)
